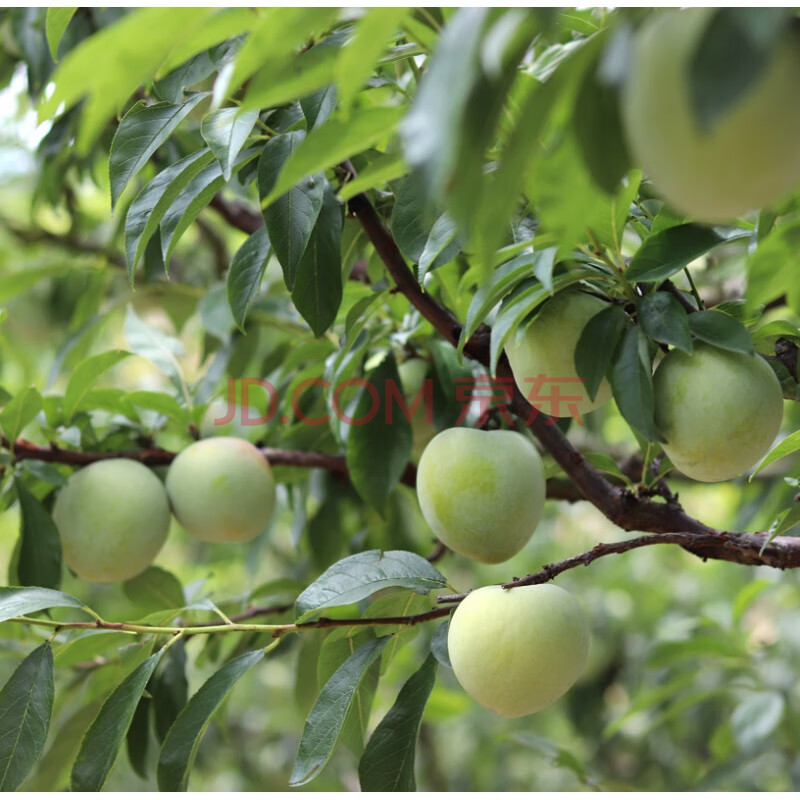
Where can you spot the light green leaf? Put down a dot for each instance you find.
(56, 23)
(787, 446)
(84, 376)
(225, 132)
(19, 412)
(18, 601)
(382, 170)
(153, 590)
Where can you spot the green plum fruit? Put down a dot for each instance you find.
(481, 492)
(412, 375)
(747, 158)
(113, 518)
(217, 410)
(516, 651)
(547, 347)
(221, 490)
(718, 411)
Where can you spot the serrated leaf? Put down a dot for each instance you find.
(317, 287)
(596, 346)
(380, 438)
(664, 253)
(665, 320)
(153, 590)
(387, 764)
(84, 376)
(225, 132)
(361, 575)
(139, 134)
(290, 219)
(722, 331)
(55, 25)
(101, 744)
(179, 749)
(39, 560)
(324, 723)
(245, 274)
(632, 383)
(18, 601)
(20, 411)
(26, 705)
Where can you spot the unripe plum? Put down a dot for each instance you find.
(113, 518)
(518, 650)
(547, 347)
(719, 411)
(221, 490)
(749, 156)
(482, 492)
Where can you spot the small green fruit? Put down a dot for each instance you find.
(719, 411)
(547, 347)
(482, 492)
(516, 651)
(113, 518)
(221, 490)
(747, 159)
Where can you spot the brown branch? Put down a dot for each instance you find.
(217, 245)
(236, 214)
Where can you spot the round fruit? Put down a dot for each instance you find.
(221, 490)
(518, 650)
(482, 492)
(749, 156)
(412, 375)
(113, 518)
(218, 409)
(719, 411)
(547, 347)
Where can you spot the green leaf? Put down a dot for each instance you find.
(596, 346)
(381, 170)
(148, 208)
(318, 106)
(170, 689)
(291, 218)
(787, 446)
(722, 331)
(39, 562)
(19, 412)
(139, 134)
(153, 590)
(733, 52)
(15, 283)
(56, 23)
(179, 749)
(26, 705)
(331, 143)
(17, 601)
(137, 739)
(317, 287)
(160, 403)
(245, 274)
(225, 132)
(387, 764)
(84, 376)
(439, 644)
(379, 438)
(358, 57)
(324, 724)
(101, 744)
(665, 320)
(632, 383)
(756, 718)
(664, 253)
(361, 575)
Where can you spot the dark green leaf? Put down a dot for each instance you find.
(172, 86)
(324, 724)
(56, 23)
(358, 576)
(179, 749)
(103, 740)
(170, 690)
(139, 134)
(19, 412)
(318, 106)
(15, 602)
(388, 761)
(439, 644)
(317, 288)
(225, 132)
(39, 561)
(155, 589)
(84, 376)
(26, 704)
(379, 438)
(632, 383)
(291, 218)
(665, 320)
(664, 253)
(596, 346)
(245, 274)
(137, 739)
(722, 331)
(732, 54)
